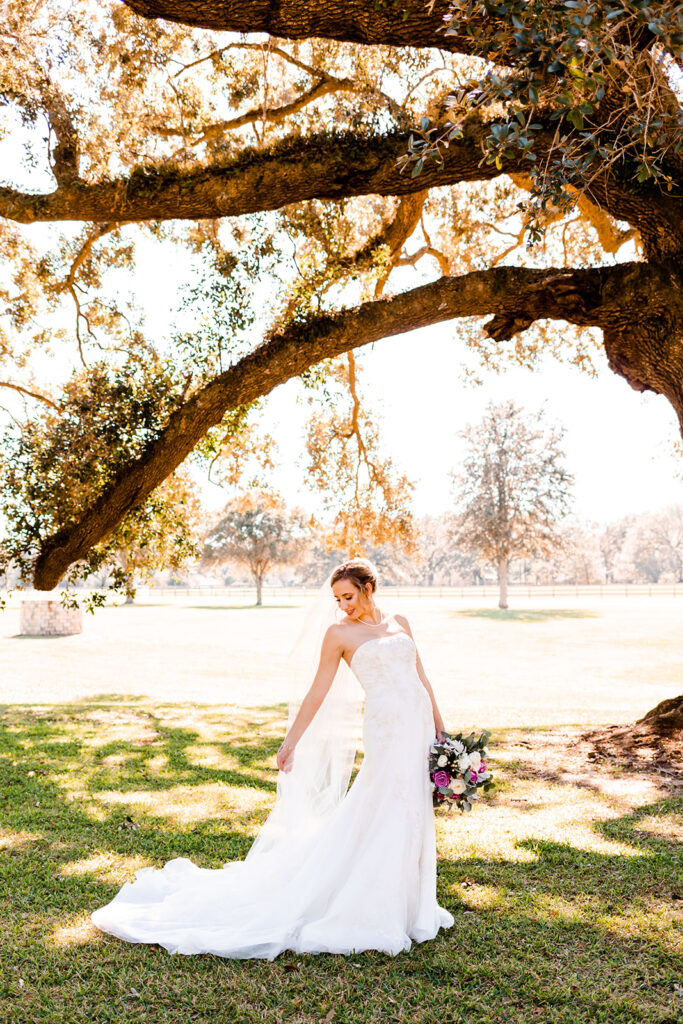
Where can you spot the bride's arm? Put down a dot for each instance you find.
(439, 727)
(330, 655)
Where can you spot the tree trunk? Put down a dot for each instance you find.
(665, 718)
(259, 587)
(503, 566)
(654, 741)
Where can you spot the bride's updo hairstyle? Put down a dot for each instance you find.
(359, 572)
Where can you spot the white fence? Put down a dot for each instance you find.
(242, 593)
(487, 591)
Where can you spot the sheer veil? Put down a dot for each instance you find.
(324, 756)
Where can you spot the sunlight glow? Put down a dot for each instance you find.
(77, 933)
(186, 805)
(667, 826)
(18, 840)
(108, 867)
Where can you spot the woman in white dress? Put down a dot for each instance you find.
(332, 871)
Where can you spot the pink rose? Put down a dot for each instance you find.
(482, 767)
(441, 778)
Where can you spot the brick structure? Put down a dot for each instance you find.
(49, 618)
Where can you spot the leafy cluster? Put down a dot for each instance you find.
(595, 80)
(56, 465)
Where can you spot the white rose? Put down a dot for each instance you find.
(457, 786)
(475, 760)
(464, 762)
(485, 751)
(443, 760)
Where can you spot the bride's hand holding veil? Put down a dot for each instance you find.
(330, 656)
(285, 757)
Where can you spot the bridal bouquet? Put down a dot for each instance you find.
(457, 769)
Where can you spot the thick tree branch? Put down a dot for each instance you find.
(628, 301)
(412, 23)
(317, 167)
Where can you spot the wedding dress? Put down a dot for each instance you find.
(365, 878)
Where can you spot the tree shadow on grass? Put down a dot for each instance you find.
(566, 937)
(525, 615)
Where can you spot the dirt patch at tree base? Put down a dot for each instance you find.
(639, 747)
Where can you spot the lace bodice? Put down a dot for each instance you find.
(386, 666)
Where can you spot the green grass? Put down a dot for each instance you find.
(566, 886)
(525, 615)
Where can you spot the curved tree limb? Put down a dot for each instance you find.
(318, 167)
(631, 302)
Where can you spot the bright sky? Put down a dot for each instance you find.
(618, 442)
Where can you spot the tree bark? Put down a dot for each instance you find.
(259, 589)
(633, 303)
(354, 21)
(665, 718)
(319, 167)
(503, 566)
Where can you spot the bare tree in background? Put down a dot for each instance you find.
(513, 490)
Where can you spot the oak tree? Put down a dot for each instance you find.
(323, 148)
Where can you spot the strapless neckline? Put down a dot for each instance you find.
(376, 639)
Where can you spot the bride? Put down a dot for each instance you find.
(332, 871)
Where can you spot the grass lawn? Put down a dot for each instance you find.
(548, 662)
(566, 886)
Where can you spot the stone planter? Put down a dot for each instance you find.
(49, 618)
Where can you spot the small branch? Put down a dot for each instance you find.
(277, 115)
(363, 457)
(425, 250)
(31, 394)
(314, 72)
(70, 283)
(327, 85)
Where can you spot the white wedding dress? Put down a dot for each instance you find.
(365, 879)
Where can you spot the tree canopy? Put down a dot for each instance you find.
(333, 173)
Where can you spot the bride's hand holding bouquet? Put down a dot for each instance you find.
(458, 768)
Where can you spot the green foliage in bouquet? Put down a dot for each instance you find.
(458, 769)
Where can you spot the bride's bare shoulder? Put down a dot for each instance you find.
(339, 635)
(335, 635)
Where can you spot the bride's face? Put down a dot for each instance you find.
(351, 600)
